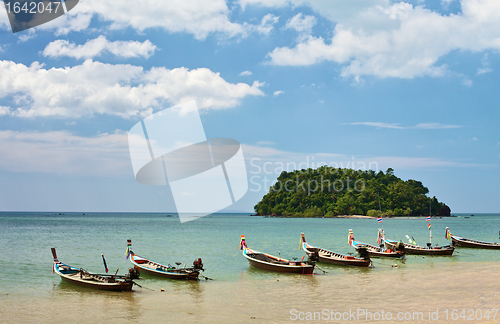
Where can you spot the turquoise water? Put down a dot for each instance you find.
(26, 239)
(26, 267)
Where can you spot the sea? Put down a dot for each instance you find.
(462, 288)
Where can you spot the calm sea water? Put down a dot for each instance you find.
(29, 292)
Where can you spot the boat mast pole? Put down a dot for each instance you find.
(380, 209)
(430, 229)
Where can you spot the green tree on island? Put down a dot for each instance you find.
(328, 191)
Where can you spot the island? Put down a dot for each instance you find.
(332, 192)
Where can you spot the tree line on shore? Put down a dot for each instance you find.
(328, 192)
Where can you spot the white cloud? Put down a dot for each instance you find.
(467, 82)
(246, 73)
(4, 111)
(436, 126)
(27, 35)
(266, 25)
(277, 93)
(271, 160)
(197, 17)
(301, 23)
(446, 3)
(265, 143)
(60, 152)
(397, 125)
(484, 70)
(98, 46)
(122, 90)
(377, 124)
(485, 62)
(4, 19)
(387, 39)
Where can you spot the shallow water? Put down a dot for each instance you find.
(29, 292)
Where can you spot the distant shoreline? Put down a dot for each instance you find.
(357, 216)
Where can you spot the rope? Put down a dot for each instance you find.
(206, 278)
(135, 283)
(320, 269)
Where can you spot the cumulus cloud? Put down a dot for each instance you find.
(301, 23)
(200, 18)
(398, 126)
(122, 90)
(392, 39)
(246, 73)
(277, 93)
(98, 46)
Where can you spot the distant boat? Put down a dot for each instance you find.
(327, 256)
(415, 249)
(464, 242)
(84, 278)
(165, 271)
(269, 262)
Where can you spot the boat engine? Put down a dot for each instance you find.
(314, 256)
(197, 264)
(400, 246)
(133, 273)
(363, 252)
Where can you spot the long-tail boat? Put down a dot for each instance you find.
(84, 278)
(272, 263)
(162, 270)
(326, 256)
(378, 251)
(419, 250)
(464, 242)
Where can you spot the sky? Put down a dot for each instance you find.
(408, 85)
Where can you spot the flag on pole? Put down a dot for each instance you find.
(350, 237)
(105, 265)
(242, 242)
(380, 236)
(127, 253)
(429, 226)
(447, 234)
(379, 219)
(428, 219)
(302, 239)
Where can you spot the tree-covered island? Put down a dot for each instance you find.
(329, 192)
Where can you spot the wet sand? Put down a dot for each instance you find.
(262, 297)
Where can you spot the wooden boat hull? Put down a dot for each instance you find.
(330, 257)
(73, 276)
(418, 250)
(286, 267)
(463, 242)
(160, 270)
(375, 252)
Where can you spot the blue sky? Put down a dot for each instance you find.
(409, 85)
